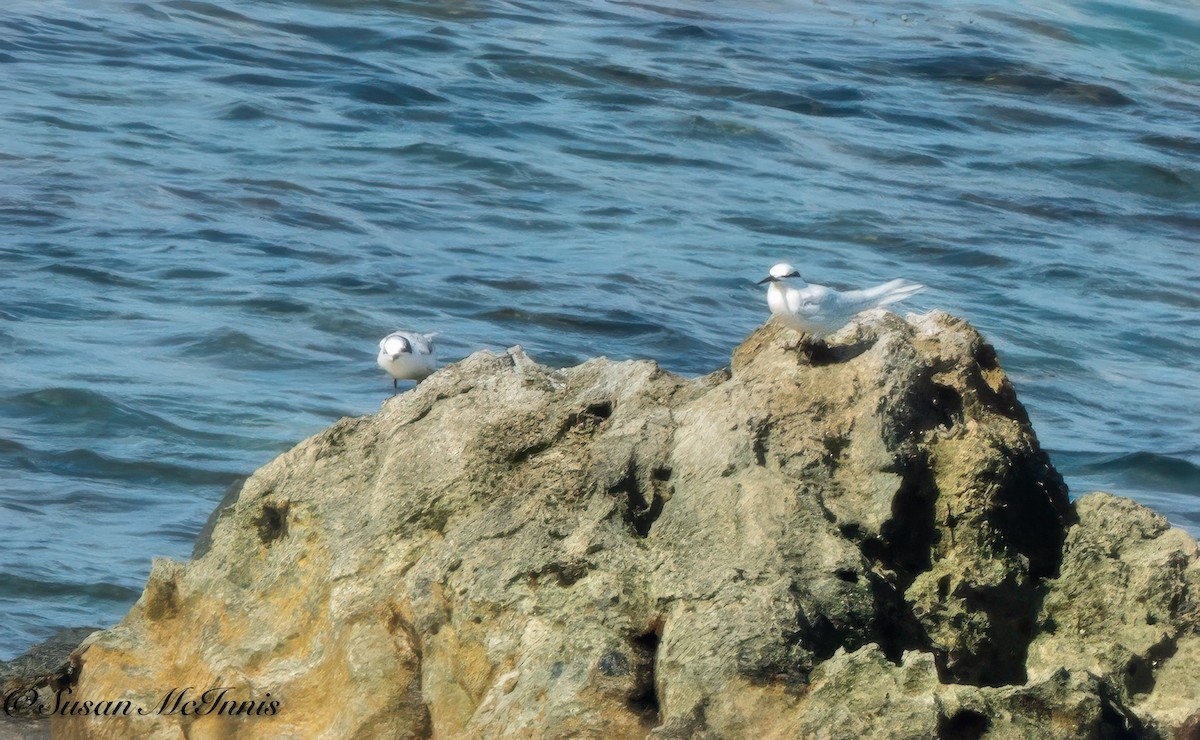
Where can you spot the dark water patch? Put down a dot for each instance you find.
(277, 306)
(726, 130)
(690, 32)
(536, 71)
(30, 216)
(532, 225)
(536, 128)
(969, 257)
(514, 284)
(1005, 74)
(389, 93)
(60, 123)
(258, 79)
(800, 103)
(76, 406)
(1075, 209)
(343, 37)
(1034, 25)
(315, 220)
(614, 323)
(208, 10)
(316, 255)
(638, 43)
(616, 101)
(629, 77)
(502, 171)
(192, 194)
(91, 465)
(642, 157)
(494, 94)
(271, 186)
(229, 348)
(61, 412)
(95, 276)
(1125, 175)
(428, 43)
(1136, 469)
(13, 585)
(771, 226)
(10, 448)
(919, 121)
(1157, 23)
(353, 283)
(1025, 118)
(1180, 144)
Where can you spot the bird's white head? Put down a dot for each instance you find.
(780, 272)
(395, 346)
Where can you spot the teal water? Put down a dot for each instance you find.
(210, 213)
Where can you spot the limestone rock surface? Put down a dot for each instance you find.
(859, 538)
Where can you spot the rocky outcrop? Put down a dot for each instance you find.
(31, 681)
(859, 538)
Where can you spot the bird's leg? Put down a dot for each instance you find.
(809, 346)
(395, 385)
(795, 340)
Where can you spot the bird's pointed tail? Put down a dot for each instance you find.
(895, 290)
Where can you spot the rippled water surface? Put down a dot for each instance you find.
(211, 211)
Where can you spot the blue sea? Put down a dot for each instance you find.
(211, 211)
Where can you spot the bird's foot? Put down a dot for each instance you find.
(808, 346)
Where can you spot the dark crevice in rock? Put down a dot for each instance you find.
(643, 700)
(907, 538)
(985, 356)
(947, 406)
(641, 511)
(849, 575)
(272, 523)
(1003, 399)
(1011, 610)
(930, 404)
(1117, 721)
(835, 447)
(566, 573)
(1139, 671)
(943, 588)
(760, 431)
(820, 353)
(816, 637)
(823, 638)
(601, 410)
(965, 724)
(895, 629)
(1035, 524)
(519, 457)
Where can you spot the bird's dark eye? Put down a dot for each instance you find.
(795, 273)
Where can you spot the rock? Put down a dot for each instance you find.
(29, 683)
(853, 538)
(1127, 607)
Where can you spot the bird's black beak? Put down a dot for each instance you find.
(767, 279)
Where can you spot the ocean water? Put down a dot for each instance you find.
(211, 211)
